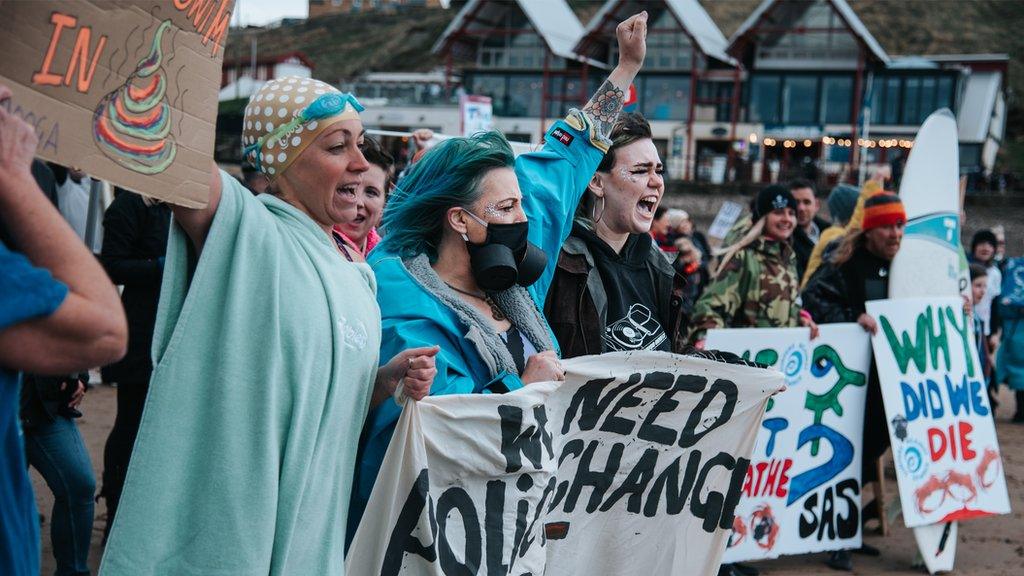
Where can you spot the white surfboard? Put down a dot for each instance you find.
(930, 262)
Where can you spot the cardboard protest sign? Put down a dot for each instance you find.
(727, 215)
(125, 90)
(802, 492)
(633, 465)
(940, 422)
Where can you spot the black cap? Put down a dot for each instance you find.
(772, 198)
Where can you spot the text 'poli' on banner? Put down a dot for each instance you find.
(940, 422)
(125, 90)
(802, 492)
(633, 465)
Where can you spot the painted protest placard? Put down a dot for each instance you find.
(727, 215)
(633, 465)
(802, 490)
(940, 423)
(125, 90)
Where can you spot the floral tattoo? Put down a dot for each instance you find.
(604, 107)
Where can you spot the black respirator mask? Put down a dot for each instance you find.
(505, 258)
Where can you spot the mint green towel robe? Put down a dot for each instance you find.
(263, 369)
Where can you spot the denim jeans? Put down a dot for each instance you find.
(57, 451)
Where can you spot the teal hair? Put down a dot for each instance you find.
(449, 175)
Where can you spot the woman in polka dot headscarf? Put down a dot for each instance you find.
(280, 123)
(265, 360)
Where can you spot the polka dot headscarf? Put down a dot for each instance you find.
(277, 103)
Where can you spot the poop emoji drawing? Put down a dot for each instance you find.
(132, 124)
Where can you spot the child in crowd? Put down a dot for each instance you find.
(979, 285)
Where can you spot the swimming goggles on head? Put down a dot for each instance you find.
(325, 106)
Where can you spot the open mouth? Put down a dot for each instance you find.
(647, 204)
(347, 190)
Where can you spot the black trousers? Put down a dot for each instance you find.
(131, 398)
(876, 430)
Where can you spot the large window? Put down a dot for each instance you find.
(493, 85)
(668, 48)
(836, 99)
(891, 108)
(523, 50)
(557, 105)
(524, 95)
(665, 97)
(944, 93)
(822, 35)
(721, 94)
(764, 99)
(910, 98)
(800, 98)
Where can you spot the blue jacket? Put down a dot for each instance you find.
(552, 181)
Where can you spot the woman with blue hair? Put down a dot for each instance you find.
(464, 261)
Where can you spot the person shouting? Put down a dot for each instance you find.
(265, 355)
(613, 289)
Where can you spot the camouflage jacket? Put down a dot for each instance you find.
(758, 288)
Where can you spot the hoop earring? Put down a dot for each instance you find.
(593, 211)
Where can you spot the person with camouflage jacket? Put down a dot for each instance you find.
(756, 284)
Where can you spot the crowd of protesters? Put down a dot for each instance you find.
(475, 272)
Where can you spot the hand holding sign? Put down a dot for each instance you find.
(124, 88)
(17, 141)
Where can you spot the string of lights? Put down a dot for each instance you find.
(831, 141)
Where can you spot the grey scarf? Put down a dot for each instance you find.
(515, 303)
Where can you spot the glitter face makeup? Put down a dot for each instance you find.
(627, 175)
(491, 211)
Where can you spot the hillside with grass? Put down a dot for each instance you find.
(346, 45)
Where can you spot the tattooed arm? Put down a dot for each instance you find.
(554, 178)
(605, 105)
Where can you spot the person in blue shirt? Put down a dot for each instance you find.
(59, 314)
(470, 247)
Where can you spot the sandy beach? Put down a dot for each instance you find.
(988, 547)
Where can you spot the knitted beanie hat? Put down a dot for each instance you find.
(841, 202)
(883, 209)
(772, 198)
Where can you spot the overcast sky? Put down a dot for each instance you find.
(260, 12)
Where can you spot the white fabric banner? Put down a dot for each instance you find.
(633, 465)
(802, 492)
(940, 422)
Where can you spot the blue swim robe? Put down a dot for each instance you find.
(263, 369)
